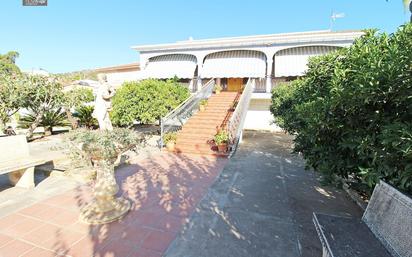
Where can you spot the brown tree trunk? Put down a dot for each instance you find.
(48, 131)
(35, 124)
(72, 120)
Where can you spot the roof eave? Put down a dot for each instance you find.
(253, 41)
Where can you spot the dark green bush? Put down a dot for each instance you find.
(84, 115)
(146, 101)
(352, 112)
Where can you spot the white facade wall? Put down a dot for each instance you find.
(259, 117)
(118, 78)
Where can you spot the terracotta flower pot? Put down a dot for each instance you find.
(222, 148)
(170, 146)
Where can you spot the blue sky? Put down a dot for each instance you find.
(70, 35)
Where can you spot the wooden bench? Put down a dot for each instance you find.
(385, 229)
(15, 160)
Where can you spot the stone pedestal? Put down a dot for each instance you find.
(105, 207)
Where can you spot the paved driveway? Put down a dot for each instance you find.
(261, 205)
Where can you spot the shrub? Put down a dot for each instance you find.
(352, 112)
(50, 119)
(85, 118)
(146, 101)
(87, 145)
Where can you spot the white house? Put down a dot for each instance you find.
(117, 75)
(269, 59)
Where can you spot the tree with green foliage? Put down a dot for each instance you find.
(8, 63)
(352, 112)
(13, 92)
(44, 94)
(146, 101)
(11, 88)
(75, 99)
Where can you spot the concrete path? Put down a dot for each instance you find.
(164, 191)
(261, 205)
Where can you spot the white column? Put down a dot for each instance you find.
(219, 81)
(191, 85)
(269, 75)
(199, 76)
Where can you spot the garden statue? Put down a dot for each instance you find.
(102, 104)
(101, 149)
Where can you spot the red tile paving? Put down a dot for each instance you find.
(164, 191)
(15, 248)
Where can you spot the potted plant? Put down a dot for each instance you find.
(170, 140)
(221, 140)
(101, 149)
(233, 108)
(217, 89)
(202, 105)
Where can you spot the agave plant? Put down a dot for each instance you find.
(50, 119)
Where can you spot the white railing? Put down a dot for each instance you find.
(175, 119)
(235, 124)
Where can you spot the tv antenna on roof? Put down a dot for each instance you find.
(333, 18)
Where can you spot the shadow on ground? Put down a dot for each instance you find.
(261, 205)
(164, 191)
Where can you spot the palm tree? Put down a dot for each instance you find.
(85, 118)
(50, 119)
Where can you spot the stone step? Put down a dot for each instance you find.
(194, 138)
(196, 133)
(206, 115)
(206, 149)
(200, 129)
(204, 122)
(214, 111)
(201, 126)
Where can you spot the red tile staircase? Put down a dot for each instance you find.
(197, 134)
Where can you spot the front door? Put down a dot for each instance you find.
(234, 84)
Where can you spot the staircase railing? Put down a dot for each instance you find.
(175, 119)
(235, 124)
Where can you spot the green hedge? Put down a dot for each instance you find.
(146, 101)
(352, 112)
